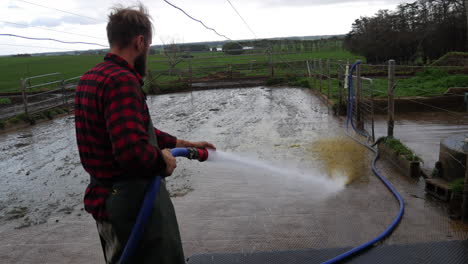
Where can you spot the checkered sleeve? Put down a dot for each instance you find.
(124, 115)
(165, 140)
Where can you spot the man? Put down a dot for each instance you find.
(120, 148)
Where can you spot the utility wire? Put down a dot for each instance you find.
(56, 40)
(31, 46)
(87, 17)
(245, 22)
(25, 25)
(199, 21)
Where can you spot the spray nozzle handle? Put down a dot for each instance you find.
(198, 154)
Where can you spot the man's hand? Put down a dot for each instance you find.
(190, 144)
(202, 145)
(171, 163)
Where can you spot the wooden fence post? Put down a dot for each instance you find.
(308, 68)
(315, 73)
(359, 119)
(391, 101)
(272, 69)
(328, 77)
(465, 195)
(25, 97)
(190, 73)
(64, 99)
(320, 74)
(340, 88)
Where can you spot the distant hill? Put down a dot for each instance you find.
(157, 47)
(220, 43)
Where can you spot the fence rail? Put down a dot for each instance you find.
(55, 92)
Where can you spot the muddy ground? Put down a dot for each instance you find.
(220, 208)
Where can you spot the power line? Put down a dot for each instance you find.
(24, 25)
(87, 17)
(215, 30)
(56, 40)
(199, 21)
(269, 45)
(31, 46)
(245, 22)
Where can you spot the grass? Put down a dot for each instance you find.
(15, 68)
(457, 185)
(401, 149)
(23, 118)
(5, 101)
(431, 82)
(452, 59)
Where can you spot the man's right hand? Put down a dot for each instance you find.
(171, 163)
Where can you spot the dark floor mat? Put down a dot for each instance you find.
(447, 252)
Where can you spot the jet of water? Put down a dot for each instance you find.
(326, 185)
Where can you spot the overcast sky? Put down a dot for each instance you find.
(267, 18)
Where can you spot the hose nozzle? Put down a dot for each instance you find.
(198, 154)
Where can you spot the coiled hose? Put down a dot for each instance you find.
(148, 201)
(397, 219)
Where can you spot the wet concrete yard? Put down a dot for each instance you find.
(220, 208)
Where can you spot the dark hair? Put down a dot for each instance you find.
(125, 23)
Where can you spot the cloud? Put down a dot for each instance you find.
(17, 24)
(68, 19)
(74, 20)
(285, 3)
(46, 21)
(12, 5)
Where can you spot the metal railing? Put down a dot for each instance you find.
(40, 93)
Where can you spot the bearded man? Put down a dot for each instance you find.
(120, 148)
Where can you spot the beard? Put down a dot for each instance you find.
(140, 64)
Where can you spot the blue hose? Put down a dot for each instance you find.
(397, 219)
(145, 210)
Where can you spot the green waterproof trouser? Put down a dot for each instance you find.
(160, 242)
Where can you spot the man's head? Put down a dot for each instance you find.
(129, 31)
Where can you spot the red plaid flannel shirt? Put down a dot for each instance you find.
(111, 120)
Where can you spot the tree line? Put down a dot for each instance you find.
(417, 32)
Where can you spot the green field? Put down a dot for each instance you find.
(431, 82)
(15, 68)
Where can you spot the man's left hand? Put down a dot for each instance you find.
(191, 144)
(202, 144)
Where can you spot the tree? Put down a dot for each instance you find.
(173, 55)
(233, 48)
(424, 29)
(466, 17)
